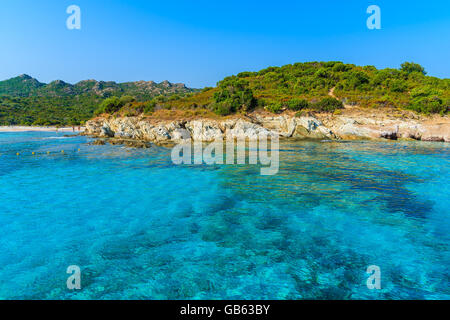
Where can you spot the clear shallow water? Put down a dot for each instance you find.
(142, 228)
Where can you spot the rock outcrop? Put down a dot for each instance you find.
(207, 129)
(385, 126)
(252, 126)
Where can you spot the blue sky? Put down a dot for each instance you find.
(200, 42)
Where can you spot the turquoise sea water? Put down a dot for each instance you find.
(140, 227)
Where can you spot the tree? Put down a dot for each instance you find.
(126, 99)
(410, 67)
(234, 95)
(109, 105)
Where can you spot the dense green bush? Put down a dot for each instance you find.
(340, 67)
(149, 106)
(354, 80)
(397, 85)
(126, 100)
(246, 74)
(328, 104)
(275, 107)
(428, 100)
(323, 73)
(234, 95)
(109, 105)
(223, 108)
(431, 104)
(113, 104)
(297, 104)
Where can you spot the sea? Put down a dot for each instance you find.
(340, 220)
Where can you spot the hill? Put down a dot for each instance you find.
(26, 101)
(316, 86)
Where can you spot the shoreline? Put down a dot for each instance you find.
(39, 129)
(349, 124)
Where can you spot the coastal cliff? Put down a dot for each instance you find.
(352, 123)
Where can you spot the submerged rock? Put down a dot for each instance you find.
(130, 143)
(98, 142)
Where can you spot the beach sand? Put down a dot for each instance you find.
(43, 129)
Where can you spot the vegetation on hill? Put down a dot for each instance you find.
(26, 101)
(46, 111)
(303, 86)
(296, 87)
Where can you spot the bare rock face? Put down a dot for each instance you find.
(314, 129)
(436, 132)
(296, 127)
(385, 126)
(248, 130)
(283, 125)
(322, 126)
(204, 130)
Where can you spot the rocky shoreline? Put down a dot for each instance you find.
(351, 124)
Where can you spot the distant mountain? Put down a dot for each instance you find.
(26, 86)
(26, 101)
(23, 85)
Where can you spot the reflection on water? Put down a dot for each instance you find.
(142, 228)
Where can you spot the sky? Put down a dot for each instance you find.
(200, 42)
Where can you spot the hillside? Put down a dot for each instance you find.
(311, 86)
(26, 101)
(307, 87)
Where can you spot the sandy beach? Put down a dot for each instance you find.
(43, 129)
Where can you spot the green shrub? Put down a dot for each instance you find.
(174, 97)
(160, 99)
(355, 79)
(297, 104)
(275, 107)
(328, 104)
(340, 67)
(126, 99)
(424, 92)
(246, 74)
(109, 105)
(398, 85)
(223, 108)
(431, 104)
(236, 93)
(149, 106)
(322, 73)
